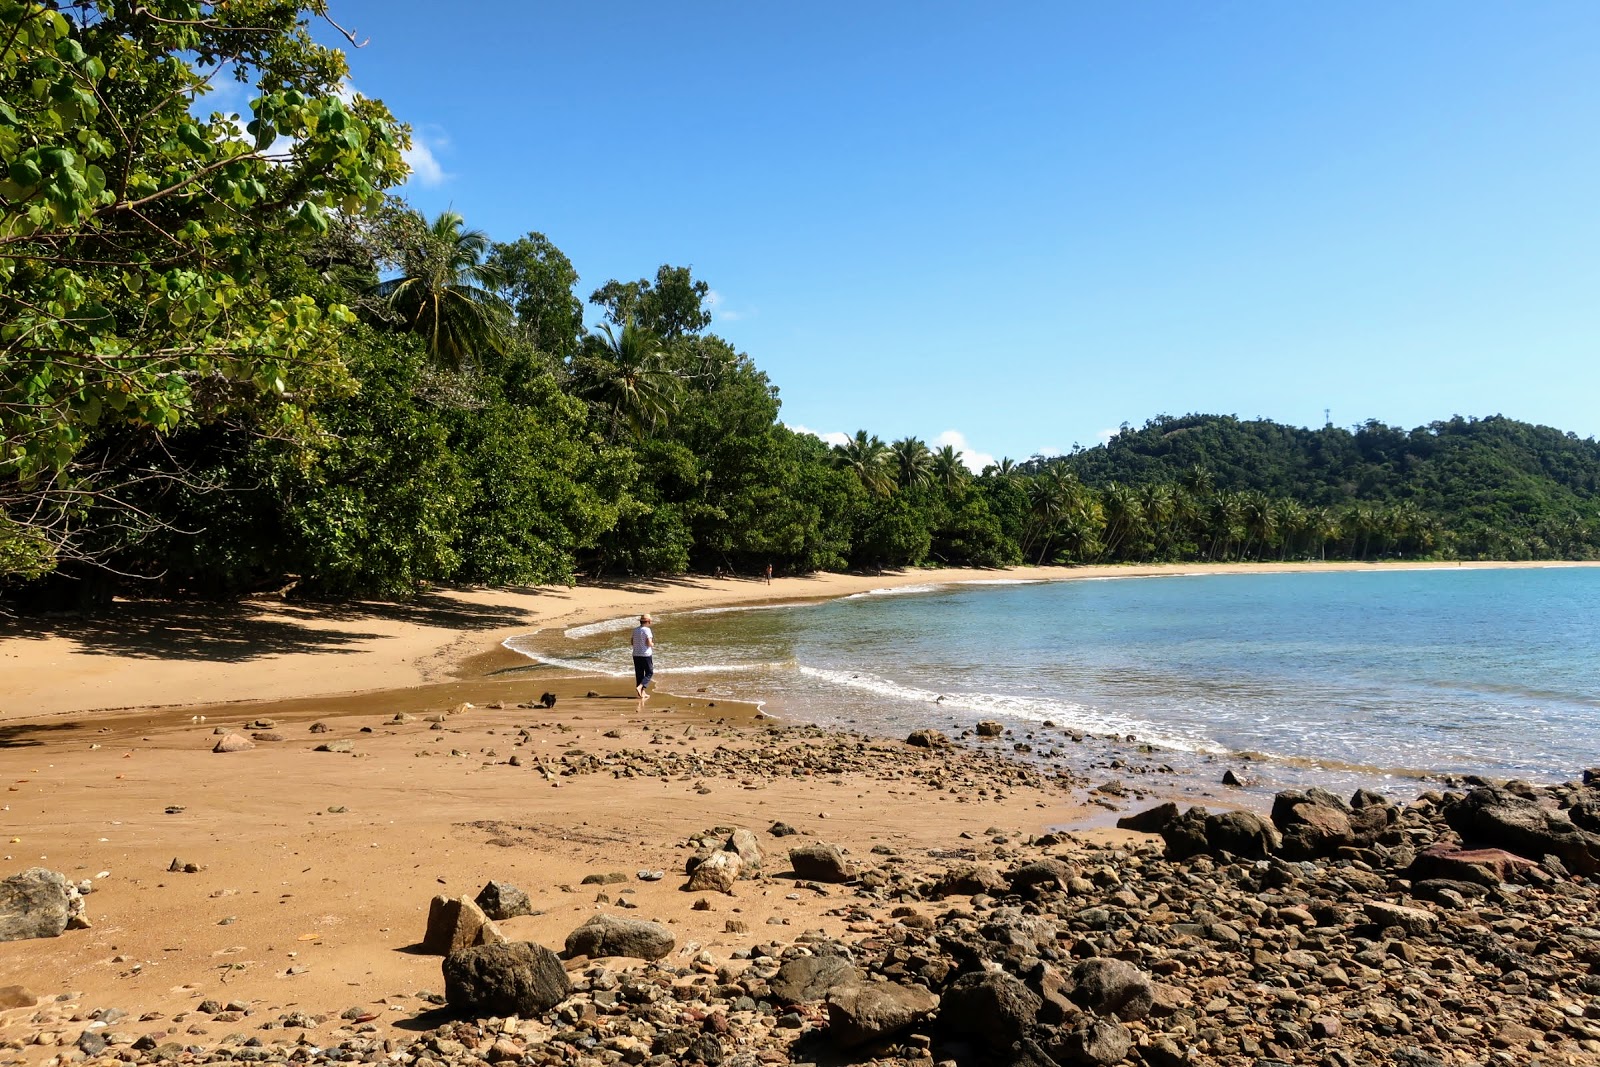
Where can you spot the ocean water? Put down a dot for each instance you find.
(1386, 679)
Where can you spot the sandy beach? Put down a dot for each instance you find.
(285, 878)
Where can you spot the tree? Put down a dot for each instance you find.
(948, 470)
(136, 237)
(536, 281)
(870, 460)
(912, 461)
(627, 376)
(672, 307)
(445, 294)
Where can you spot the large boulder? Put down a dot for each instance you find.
(1491, 817)
(862, 1014)
(455, 923)
(518, 978)
(1113, 987)
(607, 935)
(821, 862)
(968, 879)
(808, 978)
(1185, 834)
(1313, 823)
(1046, 873)
(716, 873)
(38, 902)
(502, 900)
(1151, 820)
(744, 844)
(991, 1006)
(1480, 866)
(1098, 1043)
(1242, 833)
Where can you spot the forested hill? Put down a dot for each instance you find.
(1491, 472)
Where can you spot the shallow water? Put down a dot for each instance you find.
(1385, 678)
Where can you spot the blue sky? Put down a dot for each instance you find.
(1025, 224)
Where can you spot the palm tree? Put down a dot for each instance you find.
(869, 458)
(913, 462)
(948, 470)
(1123, 514)
(1004, 470)
(627, 377)
(445, 293)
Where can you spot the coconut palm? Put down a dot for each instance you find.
(869, 459)
(627, 377)
(948, 470)
(445, 293)
(912, 461)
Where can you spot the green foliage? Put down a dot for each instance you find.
(445, 293)
(670, 308)
(136, 236)
(537, 281)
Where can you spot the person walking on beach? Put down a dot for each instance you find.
(644, 658)
(769, 574)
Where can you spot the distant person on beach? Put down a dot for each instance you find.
(644, 658)
(769, 574)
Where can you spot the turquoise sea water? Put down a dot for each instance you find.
(1384, 678)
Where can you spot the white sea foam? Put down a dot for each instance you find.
(897, 590)
(605, 627)
(1062, 712)
(1000, 581)
(781, 605)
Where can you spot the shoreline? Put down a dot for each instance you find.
(143, 655)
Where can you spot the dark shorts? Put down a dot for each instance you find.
(644, 668)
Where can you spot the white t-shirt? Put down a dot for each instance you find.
(643, 641)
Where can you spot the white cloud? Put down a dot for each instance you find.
(1050, 450)
(834, 438)
(719, 312)
(424, 165)
(1107, 435)
(975, 461)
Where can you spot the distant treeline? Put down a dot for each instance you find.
(227, 365)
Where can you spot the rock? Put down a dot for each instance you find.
(1151, 820)
(1113, 987)
(988, 1005)
(860, 1014)
(39, 902)
(1484, 866)
(1185, 834)
(607, 935)
(1099, 1043)
(821, 862)
(233, 741)
(1413, 921)
(1497, 818)
(341, 745)
(927, 739)
(15, 996)
(502, 900)
(548, 700)
(1242, 833)
(267, 735)
(989, 728)
(781, 829)
(1047, 873)
(744, 843)
(807, 978)
(1311, 826)
(604, 878)
(968, 880)
(519, 978)
(455, 924)
(319, 727)
(716, 873)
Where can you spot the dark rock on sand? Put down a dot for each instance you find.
(607, 935)
(502, 900)
(989, 1005)
(519, 978)
(1498, 818)
(821, 862)
(807, 978)
(861, 1014)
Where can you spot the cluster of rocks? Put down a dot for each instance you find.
(1458, 929)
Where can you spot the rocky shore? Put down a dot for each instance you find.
(1459, 928)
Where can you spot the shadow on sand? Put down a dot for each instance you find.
(238, 632)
